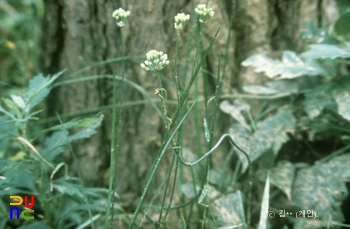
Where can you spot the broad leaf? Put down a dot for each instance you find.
(256, 89)
(322, 51)
(228, 209)
(235, 111)
(341, 94)
(342, 25)
(270, 134)
(322, 182)
(281, 176)
(290, 67)
(317, 99)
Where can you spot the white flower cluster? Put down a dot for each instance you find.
(204, 13)
(155, 61)
(120, 16)
(180, 20)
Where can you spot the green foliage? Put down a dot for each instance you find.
(317, 84)
(29, 170)
(19, 42)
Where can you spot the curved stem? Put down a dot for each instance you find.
(249, 165)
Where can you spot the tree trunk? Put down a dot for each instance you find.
(80, 33)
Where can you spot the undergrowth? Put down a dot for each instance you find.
(305, 102)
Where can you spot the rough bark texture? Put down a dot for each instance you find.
(78, 33)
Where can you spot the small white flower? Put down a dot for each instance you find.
(120, 16)
(204, 13)
(155, 61)
(180, 20)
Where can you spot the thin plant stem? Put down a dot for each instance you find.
(155, 168)
(115, 143)
(173, 188)
(160, 221)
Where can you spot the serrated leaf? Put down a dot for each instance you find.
(290, 67)
(12, 106)
(93, 124)
(38, 89)
(73, 190)
(256, 89)
(7, 128)
(19, 178)
(342, 25)
(54, 145)
(322, 51)
(18, 101)
(65, 126)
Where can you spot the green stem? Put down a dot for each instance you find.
(155, 168)
(249, 166)
(115, 148)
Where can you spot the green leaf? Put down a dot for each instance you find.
(338, 167)
(227, 209)
(317, 99)
(322, 51)
(91, 127)
(341, 94)
(290, 67)
(342, 25)
(74, 191)
(270, 134)
(281, 176)
(235, 110)
(34, 225)
(219, 177)
(322, 182)
(38, 89)
(54, 145)
(256, 89)
(18, 177)
(18, 101)
(7, 128)
(314, 34)
(13, 108)
(311, 223)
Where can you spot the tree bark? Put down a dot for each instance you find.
(79, 33)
